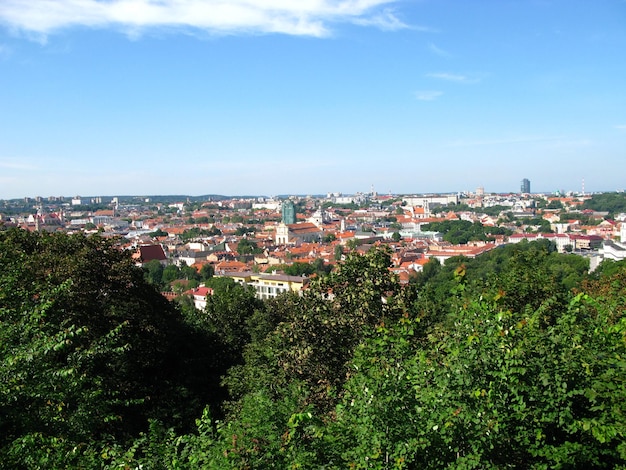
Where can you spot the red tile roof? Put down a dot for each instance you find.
(200, 291)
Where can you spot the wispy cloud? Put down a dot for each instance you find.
(621, 127)
(437, 50)
(452, 77)
(302, 17)
(424, 29)
(427, 95)
(385, 20)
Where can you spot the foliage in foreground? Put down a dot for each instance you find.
(509, 370)
(90, 351)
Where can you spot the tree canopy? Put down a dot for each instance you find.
(463, 231)
(88, 348)
(614, 203)
(514, 359)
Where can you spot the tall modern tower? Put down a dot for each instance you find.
(525, 187)
(289, 213)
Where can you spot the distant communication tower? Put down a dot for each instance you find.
(583, 186)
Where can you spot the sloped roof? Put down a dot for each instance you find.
(150, 252)
(201, 291)
(302, 228)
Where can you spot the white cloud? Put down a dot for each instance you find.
(386, 20)
(437, 50)
(294, 17)
(427, 95)
(451, 77)
(621, 127)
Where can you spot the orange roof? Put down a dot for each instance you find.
(231, 266)
(342, 235)
(108, 212)
(305, 227)
(202, 291)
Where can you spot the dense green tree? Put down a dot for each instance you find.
(353, 243)
(338, 253)
(298, 268)
(501, 380)
(188, 272)
(320, 329)
(608, 267)
(88, 349)
(614, 203)
(197, 232)
(509, 360)
(171, 272)
(555, 204)
(584, 219)
(228, 310)
(429, 271)
(538, 224)
(463, 231)
(247, 247)
(153, 272)
(502, 389)
(78, 321)
(241, 231)
(207, 271)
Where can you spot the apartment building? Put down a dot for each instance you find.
(269, 285)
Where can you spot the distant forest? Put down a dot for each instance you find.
(515, 359)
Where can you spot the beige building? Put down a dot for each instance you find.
(269, 285)
(297, 233)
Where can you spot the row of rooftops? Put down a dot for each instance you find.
(341, 223)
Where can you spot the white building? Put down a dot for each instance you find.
(199, 295)
(269, 285)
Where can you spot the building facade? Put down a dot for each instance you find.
(267, 286)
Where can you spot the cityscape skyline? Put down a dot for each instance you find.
(185, 97)
(107, 198)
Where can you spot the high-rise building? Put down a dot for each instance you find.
(289, 213)
(525, 187)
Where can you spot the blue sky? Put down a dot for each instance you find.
(133, 97)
